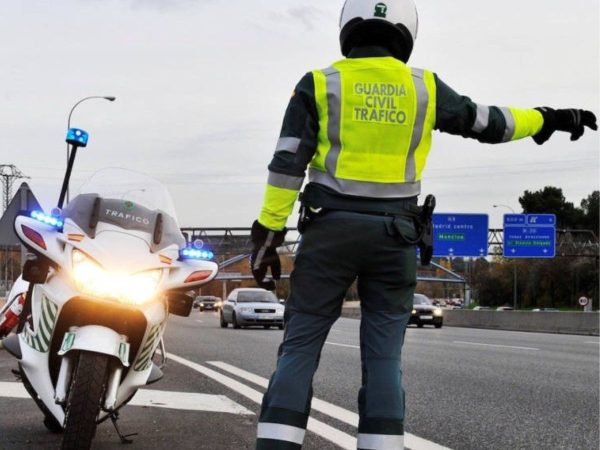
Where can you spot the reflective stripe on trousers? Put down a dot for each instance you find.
(280, 432)
(380, 442)
(336, 248)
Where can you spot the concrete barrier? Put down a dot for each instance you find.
(538, 322)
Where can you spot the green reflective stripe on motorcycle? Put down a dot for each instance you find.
(145, 358)
(44, 336)
(146, 351)
(40, 341)
(37, 344)
(46, 324)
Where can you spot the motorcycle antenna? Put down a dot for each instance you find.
(76, 138)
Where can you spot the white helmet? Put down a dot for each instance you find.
(393, 23)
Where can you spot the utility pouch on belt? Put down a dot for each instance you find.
(424, 225)
(306, 215)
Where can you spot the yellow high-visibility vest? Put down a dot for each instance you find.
(376, 116)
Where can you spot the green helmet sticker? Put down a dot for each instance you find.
(128, 205)
(381, 10)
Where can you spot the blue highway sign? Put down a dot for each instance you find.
(529, 235)
(460, 235)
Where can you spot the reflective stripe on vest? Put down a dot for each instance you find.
(375, 121)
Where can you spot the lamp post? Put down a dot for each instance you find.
(514, 264)
(108, 97)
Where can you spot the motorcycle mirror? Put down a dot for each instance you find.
(180, 304)
(36, 271)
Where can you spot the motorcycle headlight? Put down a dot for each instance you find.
(92, 279)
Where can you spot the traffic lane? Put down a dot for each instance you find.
(450, 385)
(159, 428)
(200, 339)
(544, 390)
(546, 341)
(471, 386)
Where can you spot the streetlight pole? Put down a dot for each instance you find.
(108, 97)
(514, 266)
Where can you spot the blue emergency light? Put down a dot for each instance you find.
(192, 253)
(54, 221)
(77, 137)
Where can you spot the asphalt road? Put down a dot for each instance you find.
(466, 389)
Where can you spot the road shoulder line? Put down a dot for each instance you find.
(343, 415)
(328, 432)
(495, 345)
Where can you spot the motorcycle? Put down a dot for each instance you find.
(101, 277)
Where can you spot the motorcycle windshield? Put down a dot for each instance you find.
(129, 200)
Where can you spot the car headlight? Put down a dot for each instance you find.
(437, 312)
(414, 311)
(245, 309)
(92, 279)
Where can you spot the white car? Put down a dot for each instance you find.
(251, 307)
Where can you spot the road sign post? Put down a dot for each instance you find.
(460, 235)
(529, 235)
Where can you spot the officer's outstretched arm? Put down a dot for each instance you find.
(457, 114)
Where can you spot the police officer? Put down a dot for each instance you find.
(363, 127)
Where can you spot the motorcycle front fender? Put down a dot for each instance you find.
(97, 339)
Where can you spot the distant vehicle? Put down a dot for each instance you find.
(246, 307)
(425, 313)
(504, 308)
(206, 302)
(482, 308)
(545, 310)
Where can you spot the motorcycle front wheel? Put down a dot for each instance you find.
(83, 403)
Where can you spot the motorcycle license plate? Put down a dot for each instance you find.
(426, 317)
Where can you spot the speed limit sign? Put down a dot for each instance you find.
(583, 301)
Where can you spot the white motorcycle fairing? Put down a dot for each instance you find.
(68, 319)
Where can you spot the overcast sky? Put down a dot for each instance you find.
(202, 86)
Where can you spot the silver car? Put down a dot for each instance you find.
(251, 307)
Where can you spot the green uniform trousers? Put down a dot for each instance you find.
(338, 248)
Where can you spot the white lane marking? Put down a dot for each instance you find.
(495, 345)
(592, 342)
(334, 435)
(13, 389)
(188, 401)
(199, 321)
(343, 415)
(330, 409)
(343, 345)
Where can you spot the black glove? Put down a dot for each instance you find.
(572, 121)
(264, 254)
